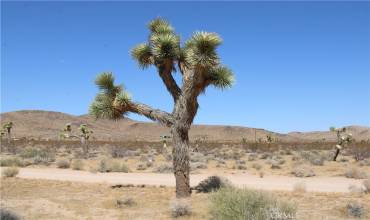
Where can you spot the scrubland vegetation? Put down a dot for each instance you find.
(210, 199)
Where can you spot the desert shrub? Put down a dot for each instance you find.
(355, 210)
(77, 165)
(355, 173)
(38, 155)
(141, 166)
(106, 165)
(63, 163)
(275, 164)
(6, 214)
(303, 171)
(198, 165)
(11, 162)
(233, 203)
(117, 152)
(179, 208)
(365, 162)
(265, 155)
(360, 153)
(126, 202)
(10, 172)
(240, 166)
(257, 166)
(212, 183)
(118, 167)
(197, 157)
(314, 157)
(164, 168)
(252, 157)
(366, 184)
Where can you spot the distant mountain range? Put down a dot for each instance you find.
(48, 124)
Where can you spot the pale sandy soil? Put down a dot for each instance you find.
(269, 182)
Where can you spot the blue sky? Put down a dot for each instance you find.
(298, 65)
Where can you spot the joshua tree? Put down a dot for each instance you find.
(343, 138)
(85, 135)
(7, 127)
(199, 65)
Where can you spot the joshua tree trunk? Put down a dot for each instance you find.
(85, 147)
(336, 154)
(9, 136)
(181, 161)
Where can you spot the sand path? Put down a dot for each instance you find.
(316, 184)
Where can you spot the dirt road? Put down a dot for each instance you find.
(317, 184)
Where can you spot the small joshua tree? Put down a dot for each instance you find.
(7, 128)
(343, 138)
(199, 65)
(85, 135)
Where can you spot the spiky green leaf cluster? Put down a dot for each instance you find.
(221, 77)
(201, 49)
(8, 125)
(143, 55)
(163, 45)
(111, 101)
(160, 26)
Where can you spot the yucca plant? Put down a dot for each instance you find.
(7, 129)
(343, 138)
(84, 135)
(198, 63)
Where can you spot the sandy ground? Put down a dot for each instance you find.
(313, 184)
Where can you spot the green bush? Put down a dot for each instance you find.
(246, 204)
(11, 162)
(10, 172)
(38, 155)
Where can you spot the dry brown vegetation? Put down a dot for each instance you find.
(41, 199)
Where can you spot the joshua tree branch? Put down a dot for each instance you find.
(169, 81)
(151, 113)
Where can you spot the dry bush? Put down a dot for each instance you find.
(141, 166)
(106, 165)
(212, 183)
(234, 203)
(10, 172)
(77, 165)
(180, 207)
(164, 168)
(126, 202)
(303, 171)
(355, 210)
(38, 155)
(257, 166)
(314, 157)
(63, 164)
(356, 173)
(198, 165)
(11, 162)
(6, 214)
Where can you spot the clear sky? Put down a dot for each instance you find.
(298, 65)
